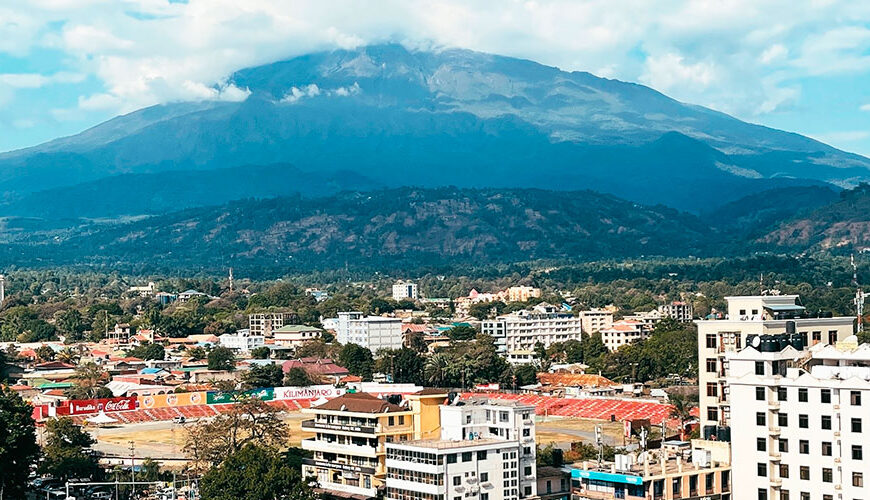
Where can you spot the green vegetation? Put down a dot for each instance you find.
(221, 358)
(18, 448)
(67, 452)
(148, 351)
(358, 360)
(255, 473)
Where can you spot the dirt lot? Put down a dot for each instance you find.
(567, 429)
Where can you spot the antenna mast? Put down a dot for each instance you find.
(231, 280)
(859, 296)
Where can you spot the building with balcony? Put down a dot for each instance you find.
(350, 434)
(266, 323)
(405, 290)
(371, 332)
(594, 320)
(295, 335)
(752, 316)
(623, 332)
(486, 451)
(690, 474)
(243, 340)
(801, 416)
(523, 330)
(678, 310)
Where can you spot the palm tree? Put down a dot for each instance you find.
(89, 378)
(435, 370)
(681, 409)
(68, 355)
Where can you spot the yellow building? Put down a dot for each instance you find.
(350, 433)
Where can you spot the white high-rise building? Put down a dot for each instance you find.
(371, 332)
(522, 330)
(404, 290)
(752, 315)
(486, 452)
(799, 420)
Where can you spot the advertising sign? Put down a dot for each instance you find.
(313, 392)
(86, 406)
(172, 400)
(606, 476)
(226, 397)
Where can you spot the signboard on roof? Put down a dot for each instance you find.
(226, 397)
(606, 476)
(311, 393)
(88, 406)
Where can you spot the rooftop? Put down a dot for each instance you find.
(360, 402)
(445, 444)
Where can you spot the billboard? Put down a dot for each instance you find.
(172, 400)
(311, 393)
(87, 406)
(226, 397)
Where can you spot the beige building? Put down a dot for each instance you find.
(351, 433)
(295, 335)
(752, 315)
(522, 293)
(266, 323)
(594, 320)
(623, 332)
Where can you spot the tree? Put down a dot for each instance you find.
(196, 353)
(258, 376)
(483, 310)
(250, 421)
(71, 325)
(67, 453)
(255, 473)
(462, 332)
(543, 357)
(148, 351)
(18, 448)
(405, 365)
(68, 355)
(681, 409)
(45, 353)
(417, 342)
(90, 380)
(526, 375)
(357, 359)
(221, 358)
(260, 352)
(298, 377)
(435, 369)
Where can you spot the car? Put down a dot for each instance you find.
(100, 495)
(179, 420)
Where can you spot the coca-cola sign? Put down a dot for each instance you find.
(86, 406)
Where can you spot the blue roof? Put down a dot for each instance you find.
(150, 371)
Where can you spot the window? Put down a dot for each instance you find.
(783, 470)
(827, 475)
(826, 422)
(857, 452)
(391, 421)
(401, 420)
(481, 455)
(759, 368)
(451, 458)
(804, 447)
(827, 449)
(856, 425)
(781, 394)
(711, 341)
(805, 473)
(528, 471)
(858, 479)
(677, 486)
(713, 413)
(484, 496)
(817, 337)
(466, 456)
(484, 477)
(803, 395)
(761, 468)
(804, 421)
(761, 418)
(783, 495)
(527, 490)
(826, 395)
(743, 312)
(526, 432)
(783, 445)
(782, 419)
(711, 365)
(457, 480)
(759, 394)
(805, 495)
(855, 398)
(712, 389)
(761, 444)
(762, 494)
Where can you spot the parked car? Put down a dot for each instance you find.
(179, 420)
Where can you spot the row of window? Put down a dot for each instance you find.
(804, 447)
(785, 495)
(856, 424)
(803, 395)
(804, 474)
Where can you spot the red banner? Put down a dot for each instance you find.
(86, 406)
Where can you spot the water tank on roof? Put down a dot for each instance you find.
(796, 341)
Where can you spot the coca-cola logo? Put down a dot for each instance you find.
(97, 405)
(122, 405)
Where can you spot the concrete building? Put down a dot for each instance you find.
(243, 340)
(405, 290)
(266, 323)
(295, 335)
(554, 483)
(680, 311)
(371, 332)
(351, 433)
(648, 319)
(594, 320)
(521, 293)
(622, 332)
(143, 291)
(751, 315)
(522, 330)
(801, 416)
(486, 451)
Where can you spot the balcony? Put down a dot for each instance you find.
(773, 405)
(346, 488)
(312, 425)
(313, 444)
(775, 456)
(323, 464)
(774, 430)
(776, 482)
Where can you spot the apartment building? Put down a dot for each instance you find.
(623, 332)
(243, 340)
(801, 417)
(371, 332)
(521, 293)
(751, 315)
(594, 320)
(295, 335)
(405, 290)
(680, 311)
(266, 323)
(351, 434)
(486, 451)
(522, 330)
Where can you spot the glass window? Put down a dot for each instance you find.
(804, 421)
(711, 341)
(783, 470)
(826, 395)
(783, 445)
(857, 452)
(759, 368)
(827, 475)
(761, 418)
(712, 389)
(781, 394)
(761, 468)
(713, 413)
(782, 419)
(858, 479)
(855, 398)
(805, 473)
(856, 425)
(827, 449)
(711, 365)
(761, 444)
(804, 447)
(759, 394)
(803, 395)
(762, 494)
(826, 422)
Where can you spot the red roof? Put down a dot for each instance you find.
(316, 366)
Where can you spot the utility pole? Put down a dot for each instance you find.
(599, 442)
(133, 467)
(859, 296)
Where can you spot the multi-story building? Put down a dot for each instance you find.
(371, 332)
(404, 290)
(266, 323)
(242, 340)
(594, 320)
(622, 332)
(522, 330)
(295, 335)
(801, 417)
(351, 432)
(521, 293)
(680, 311)
(648, 319)
(751, 315)
(660, 475)
(486, 451)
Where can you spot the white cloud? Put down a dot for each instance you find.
(844, 136)
(312, 90)
(670, 70)
(774, 53)
(864, 107)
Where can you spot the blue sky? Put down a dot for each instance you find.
(802, 66)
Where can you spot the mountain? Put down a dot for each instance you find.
(400, 117)
(383, 229)
(842, 226)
